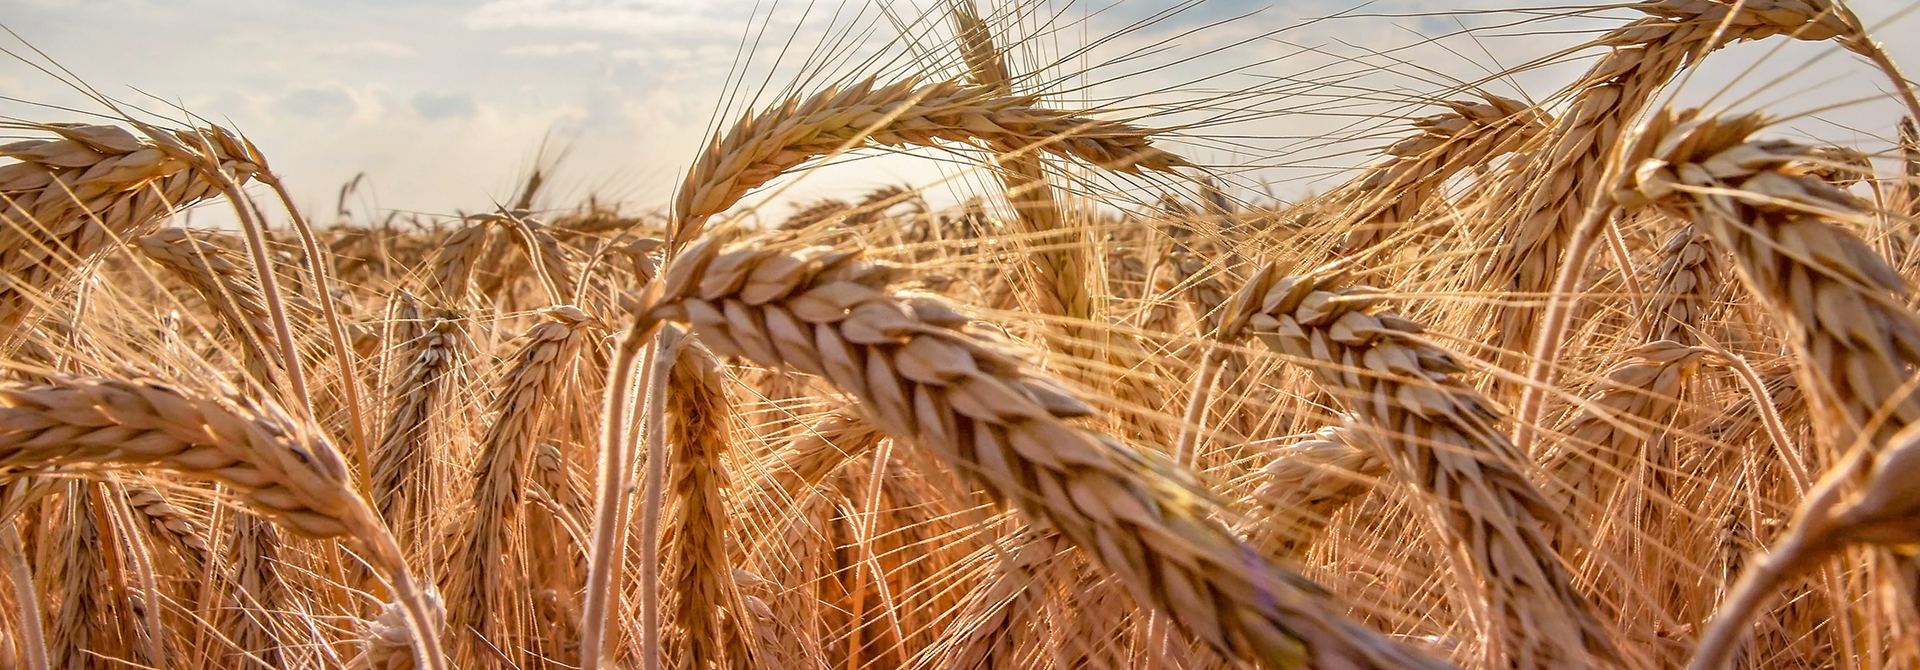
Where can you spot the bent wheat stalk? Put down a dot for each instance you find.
(69, 199)
(761, 147)
(923, 374)
(277, 468)
(1442, 438)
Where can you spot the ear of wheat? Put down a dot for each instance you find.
(764, 146)
(68, 199)
(923, 375)
(487, 576)
(1443, 439)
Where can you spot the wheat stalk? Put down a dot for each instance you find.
(1841, 305)
(819, 450)
(405, 478)
(1442, 438)
(482, 572)
(922, 374)
(1882, 512)
(33, 638)
(763, 146)
(452, 266)
(387, 642)
(69, 199)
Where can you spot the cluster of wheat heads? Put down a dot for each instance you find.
(1585, 383)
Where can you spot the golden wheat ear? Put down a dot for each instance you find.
(904, 113)
(275, 467)
(1442, 438)
(922, 373)
(68, 199)
(487, 580)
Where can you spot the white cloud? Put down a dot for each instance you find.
(319, 102)
(644, 16)
(364, 48)
(552, 50)
(436, 106)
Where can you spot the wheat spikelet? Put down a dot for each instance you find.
(68, 199)
(761, 147)
(277, 469)
(1603, 442)
(547, 256)
(923, 374)
(259, 596)
(988, 633)
(1444, 439)
(404, 469)
(1841, 304)
(1686, 283)
(170, 526)
(387, 643)
(1390, 195)
(83, 623)
(701, 574)
(1566, 171)
(220, 278)
(1062, 265)
(821, 449)
(1305, 484)
(482, 572)
(452, 265)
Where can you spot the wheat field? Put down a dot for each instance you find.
(1584, 380)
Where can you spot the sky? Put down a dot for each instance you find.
(444, 105)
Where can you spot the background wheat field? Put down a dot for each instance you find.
(1613, 370)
